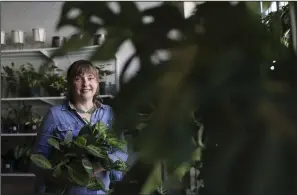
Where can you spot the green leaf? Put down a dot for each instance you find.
(85, 131)
(71, 155)
(266, 5)
(96, 151)
(53, 142)
(80, 141)
(182, 169)
(153, 181)
(78, 177)
(74, 43)
(95, 184)
(117, 143)
(41, 161)
(108, 49)
(57, 171)
(254, 6)
(197, 154)
(100, 130)
(119, 165)
(68, 137)
(87, 165)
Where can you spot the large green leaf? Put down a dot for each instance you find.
(53, 142)
(87, 165)
(57, 172)
(80, 141)
(41, 161)
(117, 143)
(78, 175)
(109, 48)
(73, 44)
(95, 184)
(119, 165)
(153, 181)
(68, 137)
(96, 151)
(99, 130)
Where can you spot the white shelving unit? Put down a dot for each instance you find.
(17, 175)
(38, 57)
(17, 134)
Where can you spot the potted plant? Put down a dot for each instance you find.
(33, 124)
(29, 120)
(53, 82)
(17, 118)
(21, 162)
(77, 157)
(29, 81)
(9, 123)
(7, 162)
(9, 78)
(104, 88)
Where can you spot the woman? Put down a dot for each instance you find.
(80, 105)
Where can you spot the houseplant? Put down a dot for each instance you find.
(29, 81)
(53, 82)
(9, 80)
(77, 157)
(214, 63)
(29, 120)
(21, 158)
(10, 121)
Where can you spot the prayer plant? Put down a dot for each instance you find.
(78, 157)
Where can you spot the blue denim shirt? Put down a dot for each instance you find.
(57, 122)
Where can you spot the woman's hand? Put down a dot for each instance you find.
(97, 170)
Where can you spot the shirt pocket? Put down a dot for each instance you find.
(63, 128)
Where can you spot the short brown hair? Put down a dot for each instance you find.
(77, 68)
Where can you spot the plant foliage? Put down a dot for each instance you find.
(218, 64)
(79, 157)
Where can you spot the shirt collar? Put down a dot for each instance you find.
(67, 105)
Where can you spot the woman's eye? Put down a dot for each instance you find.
(91, 78)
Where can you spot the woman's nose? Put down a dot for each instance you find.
(85, 82)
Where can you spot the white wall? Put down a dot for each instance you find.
(28, 15)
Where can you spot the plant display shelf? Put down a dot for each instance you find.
(45, 51)
(17, 134)
(17, 175)
(49, 100)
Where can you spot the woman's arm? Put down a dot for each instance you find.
(42, 147)
(118, 155)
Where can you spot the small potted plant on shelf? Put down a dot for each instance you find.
(77, 157)
(29, 120)
(103, 73)
(32, 125)
(9, 123)
(7, 162)
(21, 162)
(17, 118)
(29, 81)
(53, 82)
(9, 80)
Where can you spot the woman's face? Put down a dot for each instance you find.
(85, 86)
